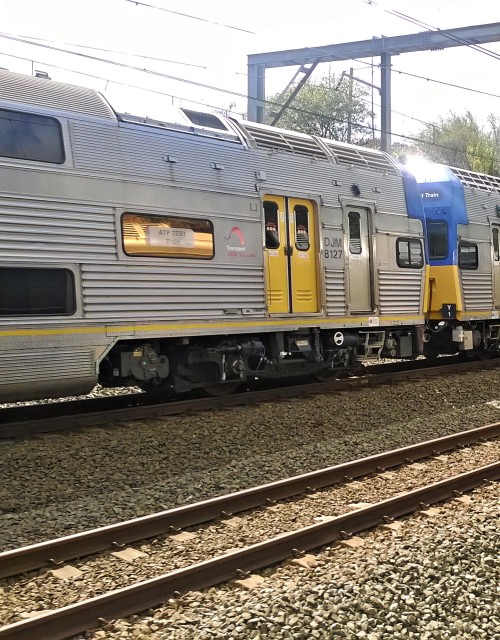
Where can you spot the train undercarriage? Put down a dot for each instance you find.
(218, 365)
(478, 338)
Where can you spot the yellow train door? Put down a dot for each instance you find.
(290, 255)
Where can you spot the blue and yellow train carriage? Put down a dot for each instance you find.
(195, 253)
(462, 211)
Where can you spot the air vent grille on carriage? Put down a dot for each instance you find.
(361, 157)
(201, 119)
(477, 180)
(284, 141)
(40, 92)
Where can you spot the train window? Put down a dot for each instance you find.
(496, 245)
(36, 292)
(409, 253)
(271, 223)
(301, 228)
(467, 255)
(354, 232)
(167, 236)
(30, 137)
(437, 234)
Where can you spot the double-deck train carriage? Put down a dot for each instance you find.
(196, 253)
(462, 210)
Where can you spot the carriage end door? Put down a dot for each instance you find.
(359, 259)
(496, 265)
(290, 255)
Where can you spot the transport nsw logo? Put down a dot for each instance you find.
(236, 245)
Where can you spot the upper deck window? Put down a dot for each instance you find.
(437, 233)
(27, 136)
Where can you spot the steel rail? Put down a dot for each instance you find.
(77, 618)
(96, 417)
(86, 543)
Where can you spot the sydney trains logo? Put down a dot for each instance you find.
(238, 233)
(236, 245)
(431, 195)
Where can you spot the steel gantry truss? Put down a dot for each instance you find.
(384, 47)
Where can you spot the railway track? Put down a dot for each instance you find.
(75, 618)
(49, 417)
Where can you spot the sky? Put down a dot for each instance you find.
(196, 51)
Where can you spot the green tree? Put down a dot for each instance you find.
(332, 107)
(460, 141)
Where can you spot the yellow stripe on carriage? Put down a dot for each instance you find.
(206, 326)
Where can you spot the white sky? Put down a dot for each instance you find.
(219, 54)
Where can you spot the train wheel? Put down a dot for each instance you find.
(221, 390)
(331, 374)
(484, 355)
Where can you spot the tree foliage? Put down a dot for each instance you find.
(460, 141)
(331, 107)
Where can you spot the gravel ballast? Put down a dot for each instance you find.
(68, 482)
(437, 578)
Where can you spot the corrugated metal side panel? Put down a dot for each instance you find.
(140, 152)
(335, 292)
(40, 92)
(38, 365)
(175, 292)
(478, 290)
(481, 205)
(37, 231)
(400, 291)
(286, 171)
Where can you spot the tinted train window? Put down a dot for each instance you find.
(36, 292)
(271, 224)
(30, 137)
(166, 236)
(467, 255)
(354, 232)
(409, 253)
(301, 228)
(496, 245)
(437, 234)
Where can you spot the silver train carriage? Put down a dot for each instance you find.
(193, 254)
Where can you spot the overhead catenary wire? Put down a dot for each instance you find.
(186, 15)
(34, 40)
(29, 40)
(267, 102)
(428, 27)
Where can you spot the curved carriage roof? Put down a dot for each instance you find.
(41, 92)
(22, 89)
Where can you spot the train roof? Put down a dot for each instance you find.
(59, 96)
(42, 92)
(475, 180)
(428, 172)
